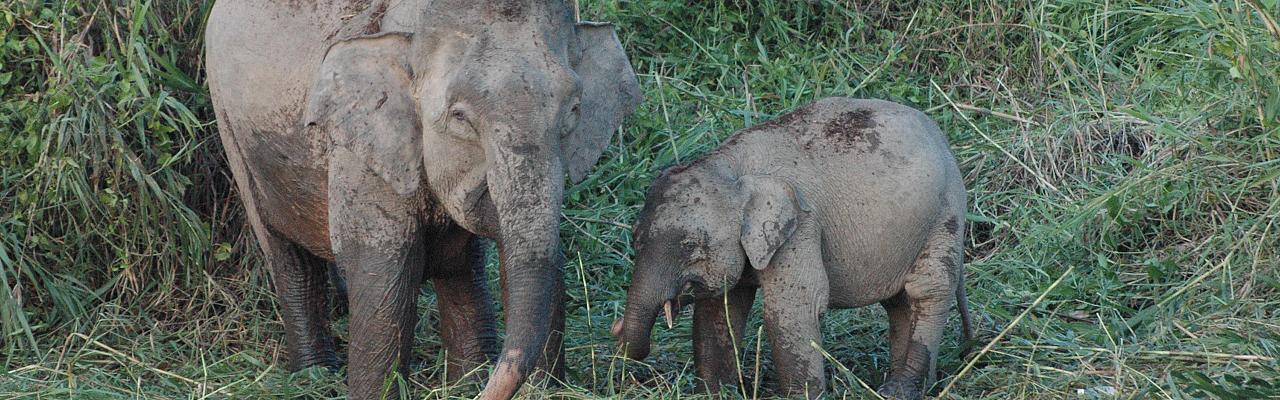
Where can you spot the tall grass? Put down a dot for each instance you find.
(1121, 160)
(107, 159)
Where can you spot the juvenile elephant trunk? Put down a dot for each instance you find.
(645, 299)
(526, 184)
(637, 326)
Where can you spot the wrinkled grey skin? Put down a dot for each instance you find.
(842, 203)
(387, 136)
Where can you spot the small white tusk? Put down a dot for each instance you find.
(666, 309)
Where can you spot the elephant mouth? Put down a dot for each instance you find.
(690, 291)
(479, 214)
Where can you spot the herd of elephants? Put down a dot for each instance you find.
(390, 138)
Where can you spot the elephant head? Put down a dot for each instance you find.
(700, 226)
(481, 109)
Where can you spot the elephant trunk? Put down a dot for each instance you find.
(649, 294)
(526, 183)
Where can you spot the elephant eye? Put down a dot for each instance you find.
(458, 123)
(692, 249)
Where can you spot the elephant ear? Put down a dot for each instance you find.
(769, 218)
(609, 93)
(362, 98)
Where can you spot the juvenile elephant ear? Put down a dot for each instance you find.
(362, 98)
(609, 93)
(769, 218)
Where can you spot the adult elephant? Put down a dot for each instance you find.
(386, 136)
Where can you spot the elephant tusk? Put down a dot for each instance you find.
(666, 309)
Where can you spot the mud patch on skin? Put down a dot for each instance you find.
(510, 10)
(952, 225)
(848, 131)
(300, 4)
(893, 159)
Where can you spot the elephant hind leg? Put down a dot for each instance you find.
(467, 322)
(918, 316)
(899, 311)
(301, 286)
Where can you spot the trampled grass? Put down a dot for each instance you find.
(1121, 159)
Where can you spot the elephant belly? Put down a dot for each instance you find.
(861, 281)
(868, 251)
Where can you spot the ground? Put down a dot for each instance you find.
(1120, 157)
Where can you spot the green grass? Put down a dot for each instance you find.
(1122, 160)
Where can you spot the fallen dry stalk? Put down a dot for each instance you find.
(1005, 331)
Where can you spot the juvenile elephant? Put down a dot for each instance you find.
(842, 203)
(386, 136)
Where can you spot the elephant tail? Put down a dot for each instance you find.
(966, 324)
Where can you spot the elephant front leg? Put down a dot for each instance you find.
(467, 324)
(795, 294)
(793, 320)
(377, 241)
(717, 330)
(301, 291)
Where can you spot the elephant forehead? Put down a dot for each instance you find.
(671, 214)
(501, 10)
(514, 84)
(664, 236)
(501, 57)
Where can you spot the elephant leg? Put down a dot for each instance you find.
(384, 283)
(795, 290)
(717, 330)
(301, 290)
(467, 322)
(929, 294)
(378, 242)
(794, 327)
(899, 312)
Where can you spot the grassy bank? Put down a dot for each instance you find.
(1122, 160)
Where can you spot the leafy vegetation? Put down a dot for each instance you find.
(1122, 160)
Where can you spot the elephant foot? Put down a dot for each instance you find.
(898, 390)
